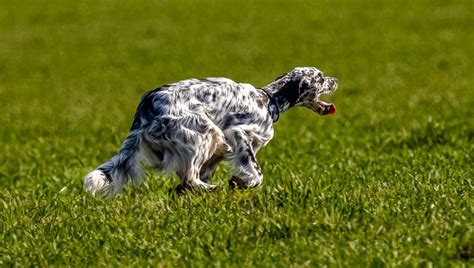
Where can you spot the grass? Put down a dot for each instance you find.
(387, 181)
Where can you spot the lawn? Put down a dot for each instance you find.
(387, 181)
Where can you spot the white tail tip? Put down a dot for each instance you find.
(97, 183)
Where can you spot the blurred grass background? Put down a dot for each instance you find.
(387, 181)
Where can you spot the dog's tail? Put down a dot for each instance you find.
(124, 167)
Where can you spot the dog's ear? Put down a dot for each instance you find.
(305, 82)
(291, 91)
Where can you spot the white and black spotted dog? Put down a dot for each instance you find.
(190, 126)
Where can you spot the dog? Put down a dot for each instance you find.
(189, 127)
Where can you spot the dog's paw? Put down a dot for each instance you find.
(236, 182)
(179, 190)
(206, 187)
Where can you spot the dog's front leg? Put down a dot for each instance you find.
(246, 171)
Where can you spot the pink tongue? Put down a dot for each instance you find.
(332, 109)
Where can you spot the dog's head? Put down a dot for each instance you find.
(304, 86)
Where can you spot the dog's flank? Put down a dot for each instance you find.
(188, 127)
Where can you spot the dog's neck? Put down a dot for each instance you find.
(282, 95)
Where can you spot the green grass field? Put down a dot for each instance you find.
(387, 181)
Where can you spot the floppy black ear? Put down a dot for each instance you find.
(304, 84)
(290, 91)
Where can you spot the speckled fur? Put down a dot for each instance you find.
(188, 127)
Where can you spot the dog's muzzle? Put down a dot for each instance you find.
(329, 87)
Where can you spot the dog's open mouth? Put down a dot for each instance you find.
(326, 108)
(316, 104)
(320, 107)
(323, 108)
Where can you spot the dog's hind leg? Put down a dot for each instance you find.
(189, 172)
(187, 143)
(212, 150)
(221, 150)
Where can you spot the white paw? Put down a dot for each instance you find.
(210, 187)
(199, 186)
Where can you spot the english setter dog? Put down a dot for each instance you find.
(190, 126)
